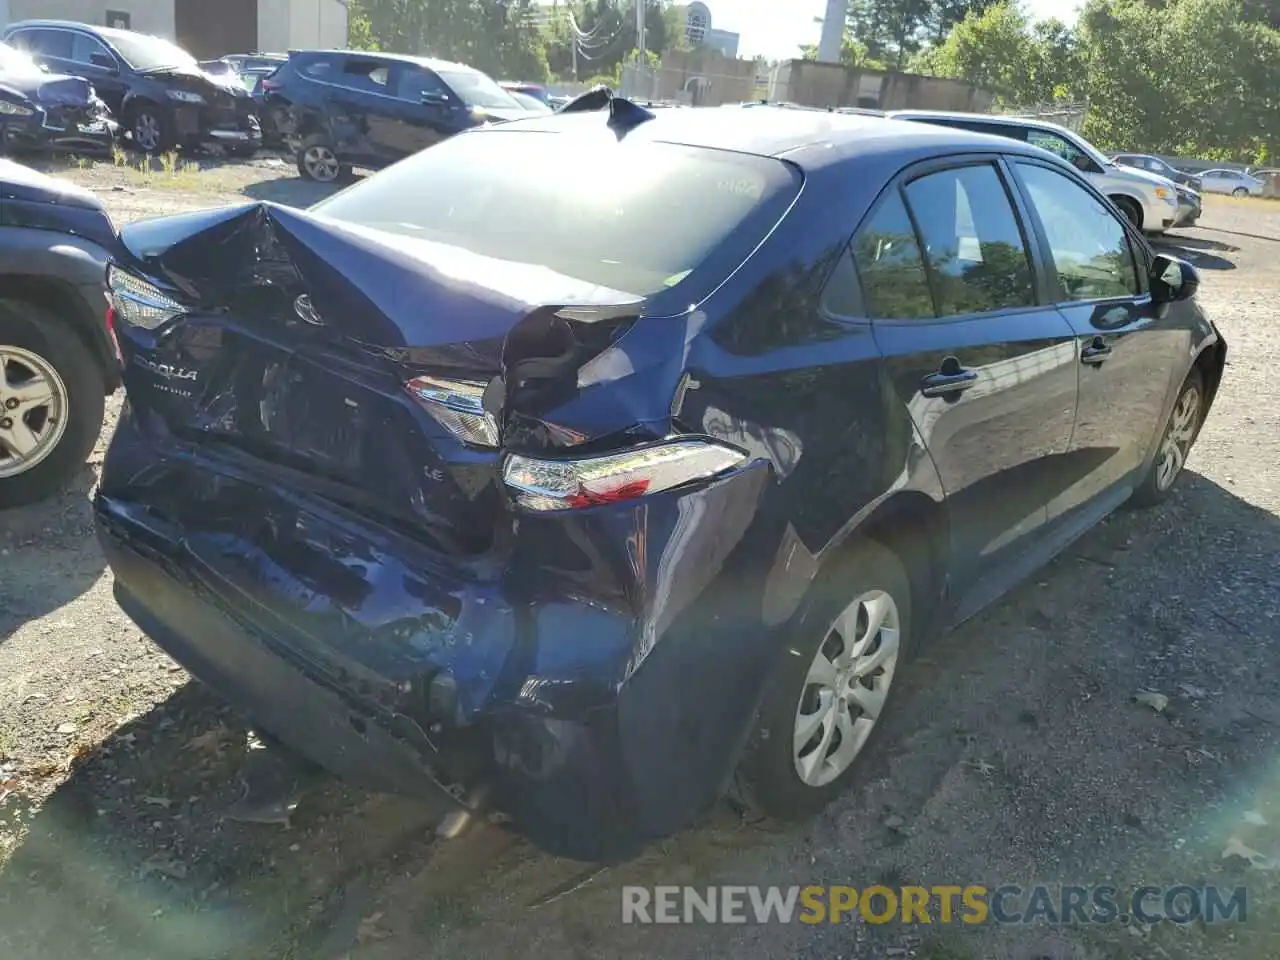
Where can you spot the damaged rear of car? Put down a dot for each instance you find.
(424, 499)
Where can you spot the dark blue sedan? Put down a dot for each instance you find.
(594, 465)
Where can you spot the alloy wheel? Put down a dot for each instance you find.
(321, 163)
(1239, 192)
(146, 131)
(1178, 437)
(33, 410)
(846, 688)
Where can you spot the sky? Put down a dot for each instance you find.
(776, 28)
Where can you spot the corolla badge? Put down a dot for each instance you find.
(167, 370)
(306, 312)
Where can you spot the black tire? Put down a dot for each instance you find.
(35, 329)
(1155, 487)
(1239, 192)
(1130, 209)
(141, 113)
(342, 171)
(767, 780)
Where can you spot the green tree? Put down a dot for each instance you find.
(498, 36)
(359, 29)
(993, 49)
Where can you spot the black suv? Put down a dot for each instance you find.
(156, 89)
(338, 108)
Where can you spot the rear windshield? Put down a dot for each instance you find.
(635, 216)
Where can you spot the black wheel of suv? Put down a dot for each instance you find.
(52, 394)
(318, 161)
(149, 128)
(831, 688)
(1176, 440)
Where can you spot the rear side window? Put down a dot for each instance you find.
(972, 241)
(49, 43)
(635, 216)
(890, 265)
(321, 68)
(367, 75)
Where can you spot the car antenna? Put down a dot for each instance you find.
(624, 114)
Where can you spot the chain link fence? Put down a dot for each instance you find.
(1069, 115)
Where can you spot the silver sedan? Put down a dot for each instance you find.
(1234, 182)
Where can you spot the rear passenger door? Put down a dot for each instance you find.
(1127, 348)
(985, 367)
(352, 98)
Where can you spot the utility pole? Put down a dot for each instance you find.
(640, 37)
(831, 43)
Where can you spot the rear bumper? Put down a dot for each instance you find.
(599, 721)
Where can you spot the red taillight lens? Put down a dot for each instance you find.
(111, 332)
(617, 477)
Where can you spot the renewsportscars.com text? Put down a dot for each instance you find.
(972, 904)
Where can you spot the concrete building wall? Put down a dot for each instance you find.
(315, 23)
(834, 85)
(273, 26)
(704, 77)
(146, 16)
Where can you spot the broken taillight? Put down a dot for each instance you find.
(591, 481)
(110, 320)
(138, 302)
(458, 406)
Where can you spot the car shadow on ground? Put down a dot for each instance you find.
(43, 537)
(294, 192)
(134, 856)
(1195, 251)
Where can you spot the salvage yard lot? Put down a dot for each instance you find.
(1016, 754)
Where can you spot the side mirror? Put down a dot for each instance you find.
(1173, 279)
(105, 61)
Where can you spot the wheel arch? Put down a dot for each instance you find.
(1127, 200)
(1211, 361)
(915, 528)
(61, 284)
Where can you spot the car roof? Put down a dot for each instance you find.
(62, 24)
(431, 63)
(811, 139)
(1001, 119)
(106, 33)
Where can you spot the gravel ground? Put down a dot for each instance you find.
(1017, 753)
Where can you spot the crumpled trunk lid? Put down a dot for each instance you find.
(302, 334)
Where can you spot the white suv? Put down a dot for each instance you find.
(1149, 200)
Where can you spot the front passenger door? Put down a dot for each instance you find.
(1126, 354)
(99, 66)
(986, 371)
(417, 124)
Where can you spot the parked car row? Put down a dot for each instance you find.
(337, 109)
(155, 90)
